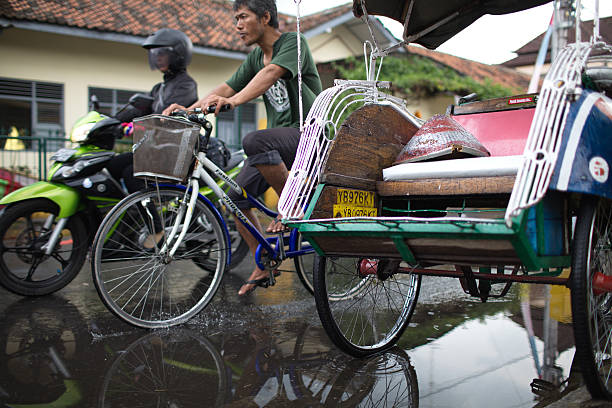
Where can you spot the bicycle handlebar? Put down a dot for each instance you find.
(197, 114)
(224, 108)
(199, 117)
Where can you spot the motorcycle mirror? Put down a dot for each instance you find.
(94, 105)
(142, 102)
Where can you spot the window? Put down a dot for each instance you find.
(111, 100)
(33, 109)
(233, 125)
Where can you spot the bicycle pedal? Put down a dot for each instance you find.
(542, 387)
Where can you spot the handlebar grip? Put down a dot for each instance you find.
(197, 117)
(212, 108)
(178, 112)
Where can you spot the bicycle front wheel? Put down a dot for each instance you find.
(364, 304)
(148, 287)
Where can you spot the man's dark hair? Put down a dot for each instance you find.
(259, 7)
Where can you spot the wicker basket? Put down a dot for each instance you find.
(164, 147)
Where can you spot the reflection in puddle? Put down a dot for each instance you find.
(180, 368)
(464, 354)
(490, 354)
(491, 360)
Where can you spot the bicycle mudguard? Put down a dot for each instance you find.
(66, 198)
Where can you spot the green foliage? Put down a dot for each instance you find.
(415, 77)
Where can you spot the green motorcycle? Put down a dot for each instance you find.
(46, 228)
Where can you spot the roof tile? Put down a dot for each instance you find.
(527, 54)
(209, 23)
(497, 73)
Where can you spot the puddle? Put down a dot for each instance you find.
(272, 351)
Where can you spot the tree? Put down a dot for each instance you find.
(414, 76)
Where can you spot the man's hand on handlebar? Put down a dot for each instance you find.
(219, 103)
(210, 104)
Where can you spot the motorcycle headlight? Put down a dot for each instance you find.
(65, 172)
(79, 133)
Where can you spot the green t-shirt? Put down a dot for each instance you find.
(282, 99)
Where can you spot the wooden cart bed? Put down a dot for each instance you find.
(413, 218)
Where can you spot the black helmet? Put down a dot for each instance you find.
(172, 43)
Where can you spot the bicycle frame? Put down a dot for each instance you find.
(274, 248)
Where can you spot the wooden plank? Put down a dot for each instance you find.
(343, 180)
(497, 104)
(447, 187)
(426, 251)
(376, 247)
(368, 141)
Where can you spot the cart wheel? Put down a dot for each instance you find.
(592, 294)
(364, 304)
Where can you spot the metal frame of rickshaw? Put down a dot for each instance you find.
(533, 267)
(548, 268)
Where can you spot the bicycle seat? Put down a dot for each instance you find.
(235, 159)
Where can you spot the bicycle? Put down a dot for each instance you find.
(161, 287)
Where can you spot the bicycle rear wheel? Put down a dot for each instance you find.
(148, 288)
(304, 264)
(340, 290)
(364, 304)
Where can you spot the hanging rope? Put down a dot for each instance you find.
(299, 52)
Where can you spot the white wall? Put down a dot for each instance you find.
(79, 63)
(337, 44)
(430, 106)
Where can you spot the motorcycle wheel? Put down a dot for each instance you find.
(25, 269)
(42, 341)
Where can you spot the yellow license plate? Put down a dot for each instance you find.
(354, 203)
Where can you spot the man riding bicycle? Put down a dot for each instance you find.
(270, 70)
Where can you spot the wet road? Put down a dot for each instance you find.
(269, 349)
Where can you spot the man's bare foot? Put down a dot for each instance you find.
(252, 283)
(277, 226)
(258, 278)
(152, 240)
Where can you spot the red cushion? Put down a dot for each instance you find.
(503, 133)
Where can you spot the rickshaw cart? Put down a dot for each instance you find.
(536, 205)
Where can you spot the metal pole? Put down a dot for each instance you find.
(564, 15)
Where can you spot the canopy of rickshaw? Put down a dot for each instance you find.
(432, 22)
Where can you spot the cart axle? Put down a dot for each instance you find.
(489, 276)
(368, 267)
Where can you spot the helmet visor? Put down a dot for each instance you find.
(161, 58)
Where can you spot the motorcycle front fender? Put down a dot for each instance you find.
(66, 198)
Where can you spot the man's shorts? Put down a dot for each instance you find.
(264, 147)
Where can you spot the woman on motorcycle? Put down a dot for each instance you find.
(170, 52)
